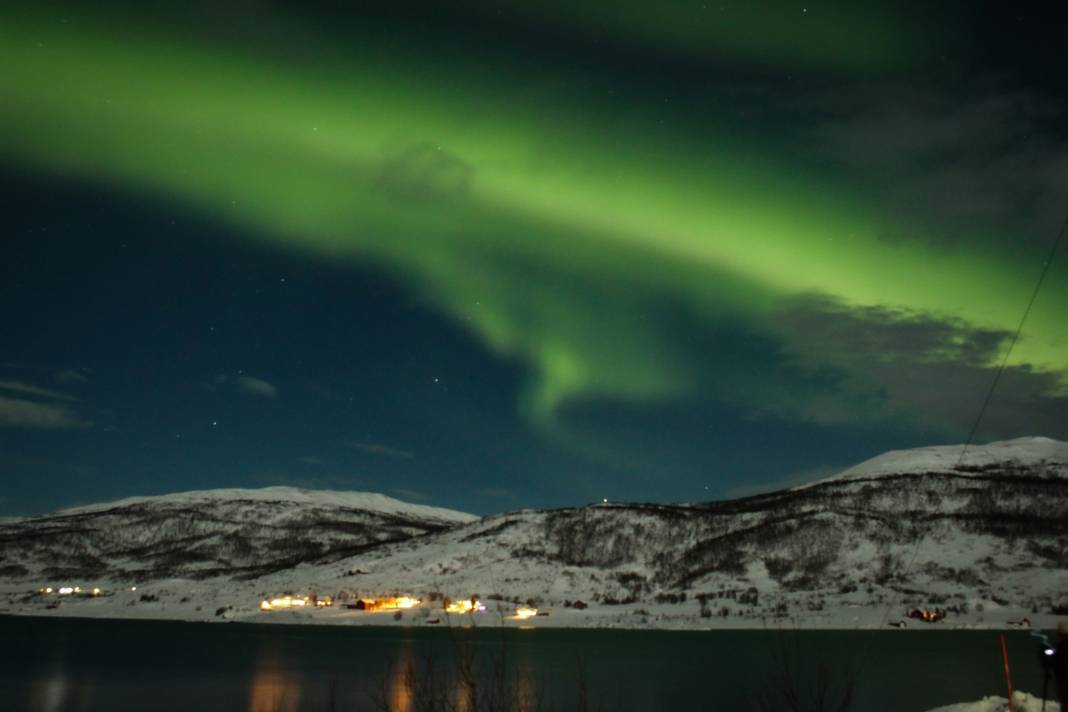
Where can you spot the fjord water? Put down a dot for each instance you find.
(76, 664)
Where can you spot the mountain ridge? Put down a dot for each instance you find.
(341, 498)
(986, 540)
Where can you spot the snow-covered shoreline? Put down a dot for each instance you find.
(191, 601)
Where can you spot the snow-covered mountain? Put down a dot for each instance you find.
(985, 539)
(911, 527)
(228, 532)
(1042, 456)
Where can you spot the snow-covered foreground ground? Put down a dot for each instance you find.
(1022, 702)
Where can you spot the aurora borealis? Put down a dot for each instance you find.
(692, 255)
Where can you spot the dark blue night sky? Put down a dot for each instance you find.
(641, 263)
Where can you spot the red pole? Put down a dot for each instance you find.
(1008, 676)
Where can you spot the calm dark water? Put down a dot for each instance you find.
(54, 664)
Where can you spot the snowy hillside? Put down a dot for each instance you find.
(1034, 456)
(233, 532)
(986, 542)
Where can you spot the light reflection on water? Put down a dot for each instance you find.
(48, 692)
(457, 685)
(53, 690)
(109, 666)
(401, 680)
(462, 694)
(526, 694)
(274, 687)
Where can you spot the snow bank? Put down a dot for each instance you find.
(1023, 702)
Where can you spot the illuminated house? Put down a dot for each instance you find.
(466, 605)
(284, 602)
(291, 601)
(75, 591)
(388, 603)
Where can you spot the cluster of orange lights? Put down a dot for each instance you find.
(467, 605)
(284, 602)
(389, 603)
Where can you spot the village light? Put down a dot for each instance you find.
(96, 591)
(283, 602)
(465, 606)
(524, 613)
(386, 604)
(66, 591)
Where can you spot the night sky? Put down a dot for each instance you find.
(488, 255)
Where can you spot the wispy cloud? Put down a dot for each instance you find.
(495, 492)
(24, 405)
(424, 171)
(21, 413)
(973, 157)
(341, 483)
(881, 364)
(71, 375)
(408, 493)
(793, 480)
(383, 450)
(257, 387)
(29, 389)
(311, 460)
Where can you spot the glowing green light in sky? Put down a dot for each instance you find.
(546, 240)
(845, 35)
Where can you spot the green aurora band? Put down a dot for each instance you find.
(544, 229)
(847, 36)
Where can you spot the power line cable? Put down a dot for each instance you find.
(865, 657)
(1015, 338)
(990, 391)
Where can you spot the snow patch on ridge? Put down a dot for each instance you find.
(943, 458)
(369, 501)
